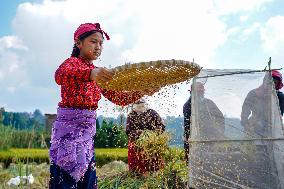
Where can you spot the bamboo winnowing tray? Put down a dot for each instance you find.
(149, 75)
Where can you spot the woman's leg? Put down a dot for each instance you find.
(60, 179)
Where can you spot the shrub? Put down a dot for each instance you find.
(111, 135)
(13, 138)
(6, 137)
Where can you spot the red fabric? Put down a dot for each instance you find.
(276, 73)
(78, 91)
(83, 28)
(138, 164)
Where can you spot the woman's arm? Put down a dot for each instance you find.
(71, 69)
(121, 98)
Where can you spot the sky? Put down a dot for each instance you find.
(36, 36)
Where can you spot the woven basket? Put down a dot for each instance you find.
(149, 75)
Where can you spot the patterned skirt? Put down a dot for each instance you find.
(73, 164)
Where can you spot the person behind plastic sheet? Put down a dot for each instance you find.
(139, 119)
(255, 109)
(71, 153)
(277, 79)
(211, 123)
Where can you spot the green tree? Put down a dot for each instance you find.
(110, 135)
(102, 137)
(120, 138)
(21, 120)
(97, 124)
(8, 118)
(38, 117)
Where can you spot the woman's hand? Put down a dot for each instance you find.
(101, 75)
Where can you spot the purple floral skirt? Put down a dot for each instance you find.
(72, 149)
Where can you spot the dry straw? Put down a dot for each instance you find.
(153, 144)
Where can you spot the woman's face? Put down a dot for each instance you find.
(91, 46)
(139, 107)
(277, 82)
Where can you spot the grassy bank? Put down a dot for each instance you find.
(113, 174)
(103, 155)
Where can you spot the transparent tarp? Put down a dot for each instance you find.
(236, 132)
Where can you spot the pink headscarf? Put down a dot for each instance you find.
(274, 73)
(83, 28)
(277, 74)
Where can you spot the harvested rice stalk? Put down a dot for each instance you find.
(153, 144)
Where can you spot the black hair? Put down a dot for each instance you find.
(276, 78)
(76, 50)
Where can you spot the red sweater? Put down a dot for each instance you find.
(79, 92)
